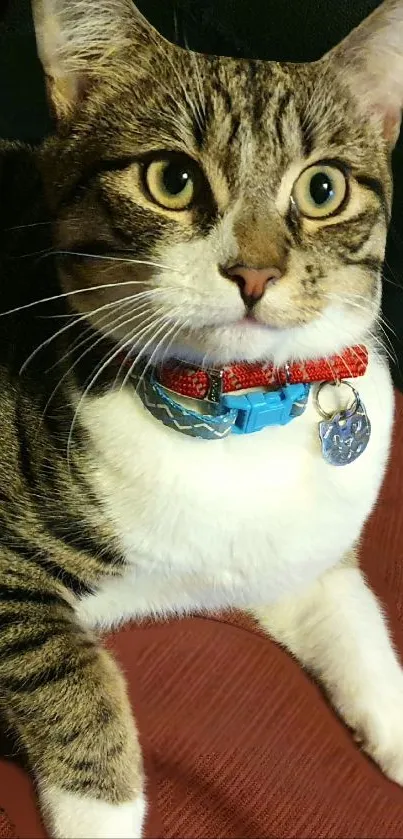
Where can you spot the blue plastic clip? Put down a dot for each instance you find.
(258, 410)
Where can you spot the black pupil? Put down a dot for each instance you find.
(321, 188)
(175, 179)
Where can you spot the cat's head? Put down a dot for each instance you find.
(229, 209)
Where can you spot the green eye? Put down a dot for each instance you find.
(320, 191)
(171, 182)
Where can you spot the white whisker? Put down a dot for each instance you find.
(183, 325)
(143, 297)
(27, 226)
(381, 323)
(121, 259)
(97, 375)
(82, 356)
(60, 332)
(81, 340)
(173, 331)
(67, 294)
(147, 344)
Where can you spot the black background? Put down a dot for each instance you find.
(284, 30)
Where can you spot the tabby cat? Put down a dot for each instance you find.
(203, 212)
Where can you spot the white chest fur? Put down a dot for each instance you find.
(234, 522)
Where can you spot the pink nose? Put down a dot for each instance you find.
(252, 282)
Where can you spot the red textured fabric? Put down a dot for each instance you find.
(196, 383)
(6, 829)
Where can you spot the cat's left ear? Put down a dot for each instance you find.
(77, 41)
(370, 63)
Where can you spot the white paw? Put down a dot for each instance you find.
(71, 816)
(377, 721)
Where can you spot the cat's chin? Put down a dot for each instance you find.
(245, 340)
(250, 340)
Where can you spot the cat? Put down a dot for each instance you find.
(199, 214)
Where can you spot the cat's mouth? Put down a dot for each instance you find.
(249, 317)
(250, 321)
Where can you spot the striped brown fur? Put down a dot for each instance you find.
(246, 124)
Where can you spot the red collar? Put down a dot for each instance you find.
(194, 382)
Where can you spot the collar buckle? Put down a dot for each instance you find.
(262, 409)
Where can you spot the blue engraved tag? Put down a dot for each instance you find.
(345, 436)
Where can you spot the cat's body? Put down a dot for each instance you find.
(209, 210)
(266, 519)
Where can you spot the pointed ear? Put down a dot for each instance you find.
(370, 62)
(76, 39)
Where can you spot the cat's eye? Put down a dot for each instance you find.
(320, 191)
(171, 182)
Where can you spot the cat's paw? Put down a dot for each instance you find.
(378, 727)
(382, 739)
(71, 816)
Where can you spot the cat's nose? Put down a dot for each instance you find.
(252, 282)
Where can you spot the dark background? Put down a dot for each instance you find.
(284, 30)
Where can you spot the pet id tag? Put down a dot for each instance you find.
(344, 435)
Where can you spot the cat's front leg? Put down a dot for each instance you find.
(337, 631)
(67, 700)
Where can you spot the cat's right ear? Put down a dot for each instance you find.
(76, 41)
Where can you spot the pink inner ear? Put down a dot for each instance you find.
(389, 116)
(391, 125)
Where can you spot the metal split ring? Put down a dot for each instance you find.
(324, 414)
(287, 373)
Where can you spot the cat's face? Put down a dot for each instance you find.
(230, 209)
